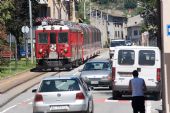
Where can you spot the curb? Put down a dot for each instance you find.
(14, 92)
(18, 79)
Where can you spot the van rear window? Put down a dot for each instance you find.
(146, 57)
(126, 57)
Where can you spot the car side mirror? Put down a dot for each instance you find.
(34, 90)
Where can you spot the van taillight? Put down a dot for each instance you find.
(113, 73)
(38, 98)
(158, 77)
(80, 96)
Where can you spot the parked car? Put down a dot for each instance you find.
(113, 44)
(97, 73)
(146, 60)
(62, 94)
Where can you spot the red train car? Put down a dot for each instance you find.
(62, 44)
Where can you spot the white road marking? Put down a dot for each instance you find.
(30, 103)
(148, 106)
(106, 100)
(8, 109)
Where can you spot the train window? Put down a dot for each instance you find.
(43, 38)
(63, 37)
(52, 38)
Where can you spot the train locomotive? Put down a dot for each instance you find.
(64, 44)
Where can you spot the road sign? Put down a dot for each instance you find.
(168, 30)
(25, 29)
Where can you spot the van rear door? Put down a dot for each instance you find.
(124, 65)
(149, 66)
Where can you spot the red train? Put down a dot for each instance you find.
(62, 44)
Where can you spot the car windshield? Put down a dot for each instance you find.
(59, 85)
(97, 66)
(117, 43)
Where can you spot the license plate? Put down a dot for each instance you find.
(126, 75)
(94, 82)
(55, 108)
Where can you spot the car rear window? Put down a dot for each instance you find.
(117, 43)
(59, 85)
(126, 57)
(146, 57)
(97, 66)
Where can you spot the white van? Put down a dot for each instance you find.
(144, 59)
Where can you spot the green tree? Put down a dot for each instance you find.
(20, 17)
(130, 4)
(5, 7)
(151, 15)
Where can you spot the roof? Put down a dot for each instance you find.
(134, 21)
(137, 47)
(115, 13)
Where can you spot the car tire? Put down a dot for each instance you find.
(88, 109)
(116, 94)
(157, 96)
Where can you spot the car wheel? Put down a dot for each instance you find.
(88, 109)
(157, 96)
(116, 94)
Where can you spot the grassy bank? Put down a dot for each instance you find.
(15, 67)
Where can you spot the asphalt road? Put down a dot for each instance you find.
(103, 102)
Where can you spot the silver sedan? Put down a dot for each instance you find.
(97, 73)
(62, 94)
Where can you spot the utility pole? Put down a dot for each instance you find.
(90, 11)
(84, 9)
(30, 16)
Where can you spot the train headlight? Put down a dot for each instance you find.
(40, 51)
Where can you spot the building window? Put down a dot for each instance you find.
(135, 32)
(116, 34)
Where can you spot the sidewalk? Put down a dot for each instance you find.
(11, 87)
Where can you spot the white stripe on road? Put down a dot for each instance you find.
(148, 106)
(8, 109)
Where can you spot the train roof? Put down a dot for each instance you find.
(54, 27)
(64, 25)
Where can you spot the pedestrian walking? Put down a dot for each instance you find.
(137, 86)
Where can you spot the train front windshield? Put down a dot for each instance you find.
(63, 37)
(42, 38)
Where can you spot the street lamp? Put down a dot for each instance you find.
(30, 16)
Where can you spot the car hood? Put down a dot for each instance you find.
(95, 73)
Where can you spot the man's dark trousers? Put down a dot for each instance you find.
(138, 104)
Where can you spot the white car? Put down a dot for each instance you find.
(113, 44)
(62, 94)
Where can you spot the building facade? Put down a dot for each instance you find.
(134, 29)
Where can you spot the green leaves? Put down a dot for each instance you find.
(5, 7)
